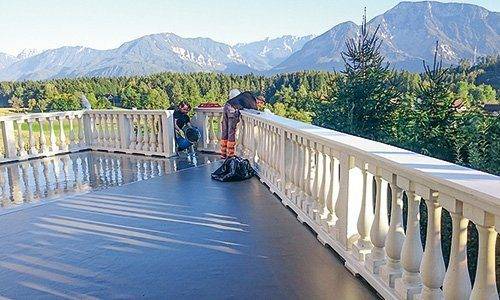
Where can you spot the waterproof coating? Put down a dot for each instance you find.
(234, 169)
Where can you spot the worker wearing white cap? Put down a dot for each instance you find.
(231, 117)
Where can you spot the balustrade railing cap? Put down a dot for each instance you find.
(25, 116)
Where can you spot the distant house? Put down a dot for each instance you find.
(493, 109)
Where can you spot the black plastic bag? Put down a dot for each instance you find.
(234, 169)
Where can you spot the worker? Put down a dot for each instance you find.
(231, 116)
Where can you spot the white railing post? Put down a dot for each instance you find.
(349, 201)
(395, 237)
(124, 130)
(380, 225)
(20, 139)
(485, 281)
(89, 128)
(363, 245)
(410, 284)
(432, 267)
(32, 143)
(9, 140)
(167, 126)
(457, 283)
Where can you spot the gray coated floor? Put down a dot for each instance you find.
(51, 177)
(178, 236)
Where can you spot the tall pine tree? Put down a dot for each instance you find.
(367, 98)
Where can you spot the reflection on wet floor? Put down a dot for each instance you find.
(35, 180)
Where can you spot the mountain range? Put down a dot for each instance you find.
(408, 32)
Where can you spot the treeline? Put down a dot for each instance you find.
(437, 113)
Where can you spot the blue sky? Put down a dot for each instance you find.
(105, 24)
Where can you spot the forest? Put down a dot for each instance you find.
(438, 112)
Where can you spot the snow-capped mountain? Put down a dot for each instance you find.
(409, 32)
(25, 53)
(6, 60)
(263, 55)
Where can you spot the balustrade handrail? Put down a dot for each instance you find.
(479, 186)
(128, 111)
(33, 116)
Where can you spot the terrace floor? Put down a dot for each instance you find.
(179, 235)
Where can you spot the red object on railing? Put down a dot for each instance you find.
(209, 105)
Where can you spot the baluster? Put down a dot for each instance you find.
(212, 139)
(53, 141)
(307, 204)
(485, 280)
(32, 143)
(300, 172)
(363, 245)
(333, 191)
(107, 136)
(138, 146)
(457, 283)
(271, 153)
(432, 267)
(152, 133)
(112, 132)
(116, 132)
(305, 175)
(132, 132)
(20, 140)
(159, 134)
(289, 164)
(410, 284)
(145, 135)
(395, 237)
(294, 164)
(81, 131)
(380, 224)
(315, 185)
(324, 188)
(206, 130)
(72, 142)
(98, 130)
(62, 137)
(43, 141)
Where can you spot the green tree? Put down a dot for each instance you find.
(367, 99)
(16, 103)
(436, 115)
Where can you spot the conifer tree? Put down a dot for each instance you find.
(367, 99)
(436, 111)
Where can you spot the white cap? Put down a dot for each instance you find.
(233, 93)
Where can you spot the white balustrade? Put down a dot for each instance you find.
(27, 136)
(148, 132)
(330, 179)
(338, 184)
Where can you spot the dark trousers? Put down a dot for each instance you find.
(230, 119)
